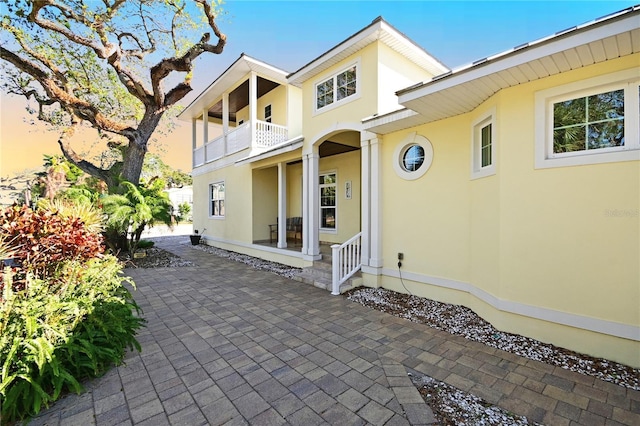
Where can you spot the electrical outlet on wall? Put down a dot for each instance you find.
(400, 256)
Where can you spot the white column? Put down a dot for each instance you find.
(313, 226)
(253, 105)
(194, 140)
(305, 204)
(282, 205)
(205, 132)
(194, 131)
(365, 185)
(205, 126)
(225, 121)
(376, 206)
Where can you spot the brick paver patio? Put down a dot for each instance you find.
(227, 344)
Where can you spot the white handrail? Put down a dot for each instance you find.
(346, 261)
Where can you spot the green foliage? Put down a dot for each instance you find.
(155, 167)
(184, 210)
(132, 209)
(145, 244)
(68, 321)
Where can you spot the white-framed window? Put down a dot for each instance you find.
(483, 149)
(328, 200)
(589, 122)
(216, 199)
(413, 157)
(267, 113)
(341, 87)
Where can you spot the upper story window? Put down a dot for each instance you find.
(483, 146)
(216, 199)
(267, 113)
(340, 87)
(589, 122)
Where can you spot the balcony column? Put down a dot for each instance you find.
(225, 121)
(311, 222)
(205, 132)
(253, 105)
(194, 140)
(282, 205)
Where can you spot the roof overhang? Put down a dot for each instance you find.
(288, 146)
(380, 30)
(228, 79)
(463, 89)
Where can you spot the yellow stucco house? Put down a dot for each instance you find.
(510, 186)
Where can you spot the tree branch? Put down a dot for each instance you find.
(71, 155)
(81, 108)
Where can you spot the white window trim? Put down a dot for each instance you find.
(328, 230)
(211, 216)
(477, 171)
(412, 139)
(337, 103)
(544, 100)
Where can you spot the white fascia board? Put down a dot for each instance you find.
(288, 146)
(515, 57)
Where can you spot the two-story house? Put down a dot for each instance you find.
(511, 185)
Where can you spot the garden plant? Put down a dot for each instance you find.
(66, 310)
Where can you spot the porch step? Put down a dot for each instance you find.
(319, 275)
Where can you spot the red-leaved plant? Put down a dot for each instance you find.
(40, 240)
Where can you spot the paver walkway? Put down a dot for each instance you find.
(227, 344)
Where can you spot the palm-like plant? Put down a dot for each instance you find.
(131, 210)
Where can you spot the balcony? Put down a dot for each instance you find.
(267, 135)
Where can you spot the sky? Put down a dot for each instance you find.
(289, 34)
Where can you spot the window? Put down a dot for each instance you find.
(483, 146)
(413, 156)
(267, 113)
(337, 89)
(589, 122)
(216, 199)
(328, 201)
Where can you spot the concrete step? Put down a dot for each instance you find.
(322, 278)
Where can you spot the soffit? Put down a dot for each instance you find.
(228, 79)
(462, 90)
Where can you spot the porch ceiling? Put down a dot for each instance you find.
(228, 79)
(239, 98)
(328, 148)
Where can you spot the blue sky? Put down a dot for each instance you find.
(288, 34)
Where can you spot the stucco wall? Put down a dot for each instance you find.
(528, 249)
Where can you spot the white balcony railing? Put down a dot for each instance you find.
(346, 261)
(267, 135)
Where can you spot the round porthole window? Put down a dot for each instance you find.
(413, 157)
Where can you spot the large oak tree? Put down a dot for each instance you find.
(115, 65)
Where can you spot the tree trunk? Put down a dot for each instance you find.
(134, 153)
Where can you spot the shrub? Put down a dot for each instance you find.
(67, 320)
